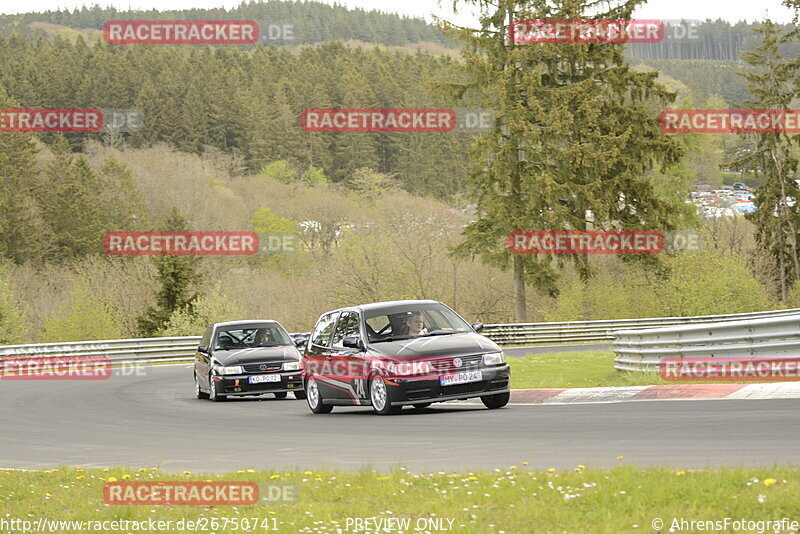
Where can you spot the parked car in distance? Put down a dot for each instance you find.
(740, 186)
(242, 358)
(392, 354)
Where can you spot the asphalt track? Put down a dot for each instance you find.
(152, 419)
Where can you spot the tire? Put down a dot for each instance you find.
(280, 395)
(314, 399)
(494, 402)
(299, 394)
(212, 391)
(197, 391)
(421, 406)
(379, 396)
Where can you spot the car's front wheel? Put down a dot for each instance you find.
(213, 394)
(379, 396)
(496, 401)
(197, 391)
(314, 398)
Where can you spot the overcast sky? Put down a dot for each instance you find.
(731, 10)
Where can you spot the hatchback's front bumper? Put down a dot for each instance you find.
(232, 385)
(419, 390)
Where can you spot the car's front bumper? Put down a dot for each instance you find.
(232, 385)
(413, 390)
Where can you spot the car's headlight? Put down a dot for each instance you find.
(494, 358)
(229, 370)
(291, 366)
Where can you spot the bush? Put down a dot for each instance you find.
(83, 317)
(207, 309)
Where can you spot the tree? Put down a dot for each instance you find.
(773, 82)
(576, 133)
(13, 326)
(84, 316)
(212, 308)
(179, 278)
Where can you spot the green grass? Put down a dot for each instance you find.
(511, 500)
(577, 370)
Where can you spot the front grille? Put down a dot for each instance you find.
(257, 367)
(467, 362)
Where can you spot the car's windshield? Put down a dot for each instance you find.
(268, 335)
(412, 320)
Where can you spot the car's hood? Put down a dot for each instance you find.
(256, 355)
(436, 346)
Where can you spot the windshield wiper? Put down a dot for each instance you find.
(392, 338)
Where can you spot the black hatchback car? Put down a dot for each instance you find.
(247, 358)
(392, 354)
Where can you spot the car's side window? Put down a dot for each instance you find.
(346, 327)
(207, 337)
(322, 332)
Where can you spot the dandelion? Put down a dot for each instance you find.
(769, 481)
(187, 473)
(473, 478)
(251, 470)
(524, 463)
(274, 477)
(513, 467)
(581, 466)
(154, 469)
(383, 478)
(551, 470)
(308, 473)
(142, 470)
(126, 477)
(239, 471)
(105, 470)
(111, 479)
(680, 473)
(620, 457)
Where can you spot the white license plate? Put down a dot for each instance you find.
(258, 379)
(461, 378)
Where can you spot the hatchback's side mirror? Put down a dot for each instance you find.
(203, 349)
(352, 342)
(478, 327)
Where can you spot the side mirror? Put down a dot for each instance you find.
(478, 327)
(352, 342)
(203, 349)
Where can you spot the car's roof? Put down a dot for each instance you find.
(247, 321)
(389, 304)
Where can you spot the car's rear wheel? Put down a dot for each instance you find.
(213, 394)
(197, 391)
(496, 401)
(280, 395)
(299, 394)
(379, 396)
(314, 399)
(421, 406)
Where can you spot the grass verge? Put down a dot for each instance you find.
(511, 500)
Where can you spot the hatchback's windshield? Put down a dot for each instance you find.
(412, 320)
(250, 337)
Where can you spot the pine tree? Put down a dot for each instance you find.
(179, 278)
(773, 82)
(574, 135)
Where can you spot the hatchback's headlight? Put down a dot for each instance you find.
(291, 366)
(229, 370)
(494, 358)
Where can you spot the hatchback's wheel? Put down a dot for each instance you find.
(315, 402)
(379, 395)
(299, 394)
(280, 395)
(197, 391)
(213, 394)
(496, 401)
(421, 406)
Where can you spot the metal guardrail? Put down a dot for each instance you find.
(148, 351)
(587, 331)
(643, 349)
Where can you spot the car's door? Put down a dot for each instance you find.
(317, 355)
(348, 363)
(202, 358)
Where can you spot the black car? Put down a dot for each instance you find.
(392, 354)
(247, 358)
